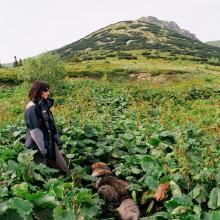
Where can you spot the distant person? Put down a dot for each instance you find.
(42, 134)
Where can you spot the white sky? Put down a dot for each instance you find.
(30, 27)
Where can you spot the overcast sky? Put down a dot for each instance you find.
(30, 27)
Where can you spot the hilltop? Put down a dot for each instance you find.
(149, 34)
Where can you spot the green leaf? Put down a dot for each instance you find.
(56, 188)
(199, 193)
(20, 190)
(90, 131)
(128, 136)
(151, 167)
(150, 207)
(154, 140)
(23, 207)
(84, 196)
(38, 177)
(178, 201)
(135, 170)
(151, 183)
(90, 212)
(42, 199)
(176, 191)
(116, 153)
(26, 156)
(134, 196)
(159, 216)
(99, 152)
(12, 214)
(89, 142)
(213, 215)
(3, 206)
(180, 210)
(60, 214)
(3, 191)
(135, 187)
(198, 210)
(214, 198)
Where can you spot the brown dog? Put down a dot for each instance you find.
(109, 187)
(115, 190)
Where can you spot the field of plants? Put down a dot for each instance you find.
(146, 135)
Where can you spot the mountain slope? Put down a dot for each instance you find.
(214, 43)
(140, 35)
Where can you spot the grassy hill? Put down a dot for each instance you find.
(214, 43)
(132, 35)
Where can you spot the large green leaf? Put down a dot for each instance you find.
(3, 191)
(180, 210)
(61, 214)
(151, 167)
(12, 214)
(90, 212)
(199, 193)
(42, 199)
(213, 215)
(26, 156)
(56, 188)
(176, 191)
(214, 198)
(23, 207)
(20, 190)
(150, 182)
(184, 201)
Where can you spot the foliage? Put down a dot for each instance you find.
(45, 67)
(147, 136)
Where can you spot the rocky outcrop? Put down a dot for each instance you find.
(171, 25)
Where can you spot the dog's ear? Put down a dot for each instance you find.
(99, 165)
(100, 172)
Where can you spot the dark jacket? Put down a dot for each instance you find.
(37, 136)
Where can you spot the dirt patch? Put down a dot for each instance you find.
(82, 78)
(149, 77)
(5, 85)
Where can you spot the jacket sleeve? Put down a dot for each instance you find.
(32, 122)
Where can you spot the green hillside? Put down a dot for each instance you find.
(214, 43)
(131, 35)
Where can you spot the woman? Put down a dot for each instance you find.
(42, 133)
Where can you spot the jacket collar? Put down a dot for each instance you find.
(47, 102)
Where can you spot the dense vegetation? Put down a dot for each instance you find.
(146, 135)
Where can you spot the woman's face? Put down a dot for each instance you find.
(45, 94)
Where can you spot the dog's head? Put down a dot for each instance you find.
(100, 169)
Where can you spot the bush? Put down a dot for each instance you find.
(45, 67)
(127, 56)
(214, 61)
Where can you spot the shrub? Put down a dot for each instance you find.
(127, 56)
(99, 57)
(46, 67)
(214, 61)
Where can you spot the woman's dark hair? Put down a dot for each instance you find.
(37, 88)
